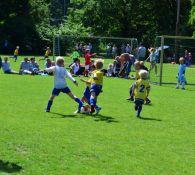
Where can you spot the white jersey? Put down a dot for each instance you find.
(60, 74)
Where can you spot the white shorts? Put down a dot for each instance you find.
(86, 67)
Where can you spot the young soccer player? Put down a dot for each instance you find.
(47, 53)
(60, 84)
(87, 93)
(181, 74)
(141, 89)
(96, 83)
(16, 52)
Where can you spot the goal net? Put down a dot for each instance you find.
(106, 47)
(169, 49)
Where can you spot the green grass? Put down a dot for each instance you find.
(115, 142)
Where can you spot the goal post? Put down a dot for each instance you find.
(171, 48)
(65, 44)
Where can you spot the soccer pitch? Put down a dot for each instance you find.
(114, 142)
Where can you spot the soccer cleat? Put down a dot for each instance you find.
(98, 109)
(183, 88)
(47, 110)
(92, 110)
(177, 87)
(77, 112)
(130, 99)
(148, 101)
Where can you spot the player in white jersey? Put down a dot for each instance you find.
(60, 84)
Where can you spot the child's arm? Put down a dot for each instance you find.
(51, 69)
(133, 87)
(85, 81)
(148, 90)
(68, 74)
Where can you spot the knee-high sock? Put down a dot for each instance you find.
(130, 92)
(49, 104)
(79, 102)
(139, 110)
(92, 101)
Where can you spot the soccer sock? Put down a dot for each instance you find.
(183, 85)
(49, 104)
(79, 102)
(139, 110)
(92, 102)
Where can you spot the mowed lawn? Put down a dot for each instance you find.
(114, 142)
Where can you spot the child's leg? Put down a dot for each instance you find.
(93, 100)
(76, 99)
(139, 109)
(138, 106)
(50, 102)
(130, 94)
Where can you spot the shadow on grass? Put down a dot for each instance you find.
(152, 119)
(108, 119)
(8, 167)
(63, 115)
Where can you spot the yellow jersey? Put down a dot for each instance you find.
(47, 53)
(16, 51)
(88, 83)
(142, 89)
(137, 76)
(97, 77)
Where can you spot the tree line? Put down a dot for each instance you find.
(32, 23)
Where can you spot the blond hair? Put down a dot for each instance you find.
(181, 60)
(143, 74)
(59, 60)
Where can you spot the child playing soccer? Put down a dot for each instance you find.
(60, 84)
(16, 52)
(139, 65)
(86, 94)
(181, 74)
(96, 84)
(141, 89)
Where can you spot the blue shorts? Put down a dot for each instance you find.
(56, 92)
(87, 94)
(96, 88)
(139, 102)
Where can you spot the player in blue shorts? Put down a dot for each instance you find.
(60, 84)
(87, 94)
(96, 84)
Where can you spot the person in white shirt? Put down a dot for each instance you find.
(6, 67)
(60, 84)
(75, 67)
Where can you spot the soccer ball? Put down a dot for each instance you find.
(85, 109)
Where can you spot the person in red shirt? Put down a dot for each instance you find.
(87, 57)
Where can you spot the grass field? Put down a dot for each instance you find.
(114, 142)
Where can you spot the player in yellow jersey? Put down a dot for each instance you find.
(16, 53)
(136, 77)
(141, 89)
(47, 53)
(96, 83)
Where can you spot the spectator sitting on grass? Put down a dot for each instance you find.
(25, 67)
(75, 67)
(6, 67)
(34, 66)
